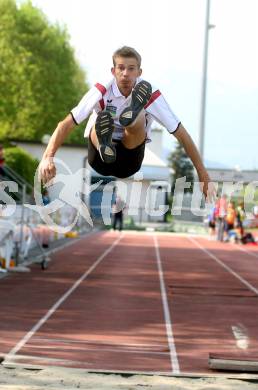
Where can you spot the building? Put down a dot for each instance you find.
(233, 175)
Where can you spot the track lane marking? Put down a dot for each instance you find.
(222, 264)
(247, 251)
(240, 248)
(170, 337)
(51, 311)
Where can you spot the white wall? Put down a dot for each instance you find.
(156, 145)
(71, 156)
(71, 160)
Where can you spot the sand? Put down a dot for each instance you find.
(52, 378)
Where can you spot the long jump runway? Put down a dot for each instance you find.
(133, 302)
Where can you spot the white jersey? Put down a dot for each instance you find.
(108, 97)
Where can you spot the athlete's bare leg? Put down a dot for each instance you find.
(93, 137)
(134, 134)
(133, 117)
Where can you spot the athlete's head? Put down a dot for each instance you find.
(127, 67)
(127, 52)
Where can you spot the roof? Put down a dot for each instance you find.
(153, 167)
(151, 159)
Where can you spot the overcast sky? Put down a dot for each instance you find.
(169, 34)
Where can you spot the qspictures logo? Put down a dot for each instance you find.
(74, 187)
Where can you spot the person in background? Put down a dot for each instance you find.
(240, 219)
(221, 212)
(255, 211)
(212, 223)
(117, 211)
(230, 219)
(45, 197)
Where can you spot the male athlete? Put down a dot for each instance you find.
(121, 113)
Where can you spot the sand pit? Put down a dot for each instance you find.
(64, 379)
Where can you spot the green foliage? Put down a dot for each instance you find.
(21, 162)
(40, 80)
(181, 165)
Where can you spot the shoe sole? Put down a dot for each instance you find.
(141, 94)
(104, 129)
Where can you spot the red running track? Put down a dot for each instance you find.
(133, 302)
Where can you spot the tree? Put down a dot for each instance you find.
(21, 162)
(181, 165)
(40, 80)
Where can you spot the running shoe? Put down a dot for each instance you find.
(141, 94)
(104, 128)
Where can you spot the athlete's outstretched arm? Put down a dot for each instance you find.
(47, 169)
(185, 139)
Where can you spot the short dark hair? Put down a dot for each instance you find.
(128, 52)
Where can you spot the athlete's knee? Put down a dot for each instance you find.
(93, 137)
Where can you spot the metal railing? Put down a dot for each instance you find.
(22, 196)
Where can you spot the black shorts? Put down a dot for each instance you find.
(128, 161)
(229, 226)
(212, 225)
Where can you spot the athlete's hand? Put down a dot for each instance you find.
(47, 170)
(207, 186)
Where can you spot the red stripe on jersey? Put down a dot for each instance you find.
(154, 96)
(101, 88)
(102, 104)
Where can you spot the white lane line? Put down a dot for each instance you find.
(242, 280)
(36, 327)
(246, 251)
(240, 248)
(170, 336)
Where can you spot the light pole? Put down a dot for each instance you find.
(208, 26)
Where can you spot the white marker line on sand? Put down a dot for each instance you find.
(170, 336)
(242, 339)
(51, 311)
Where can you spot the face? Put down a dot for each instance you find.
(126, 72)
